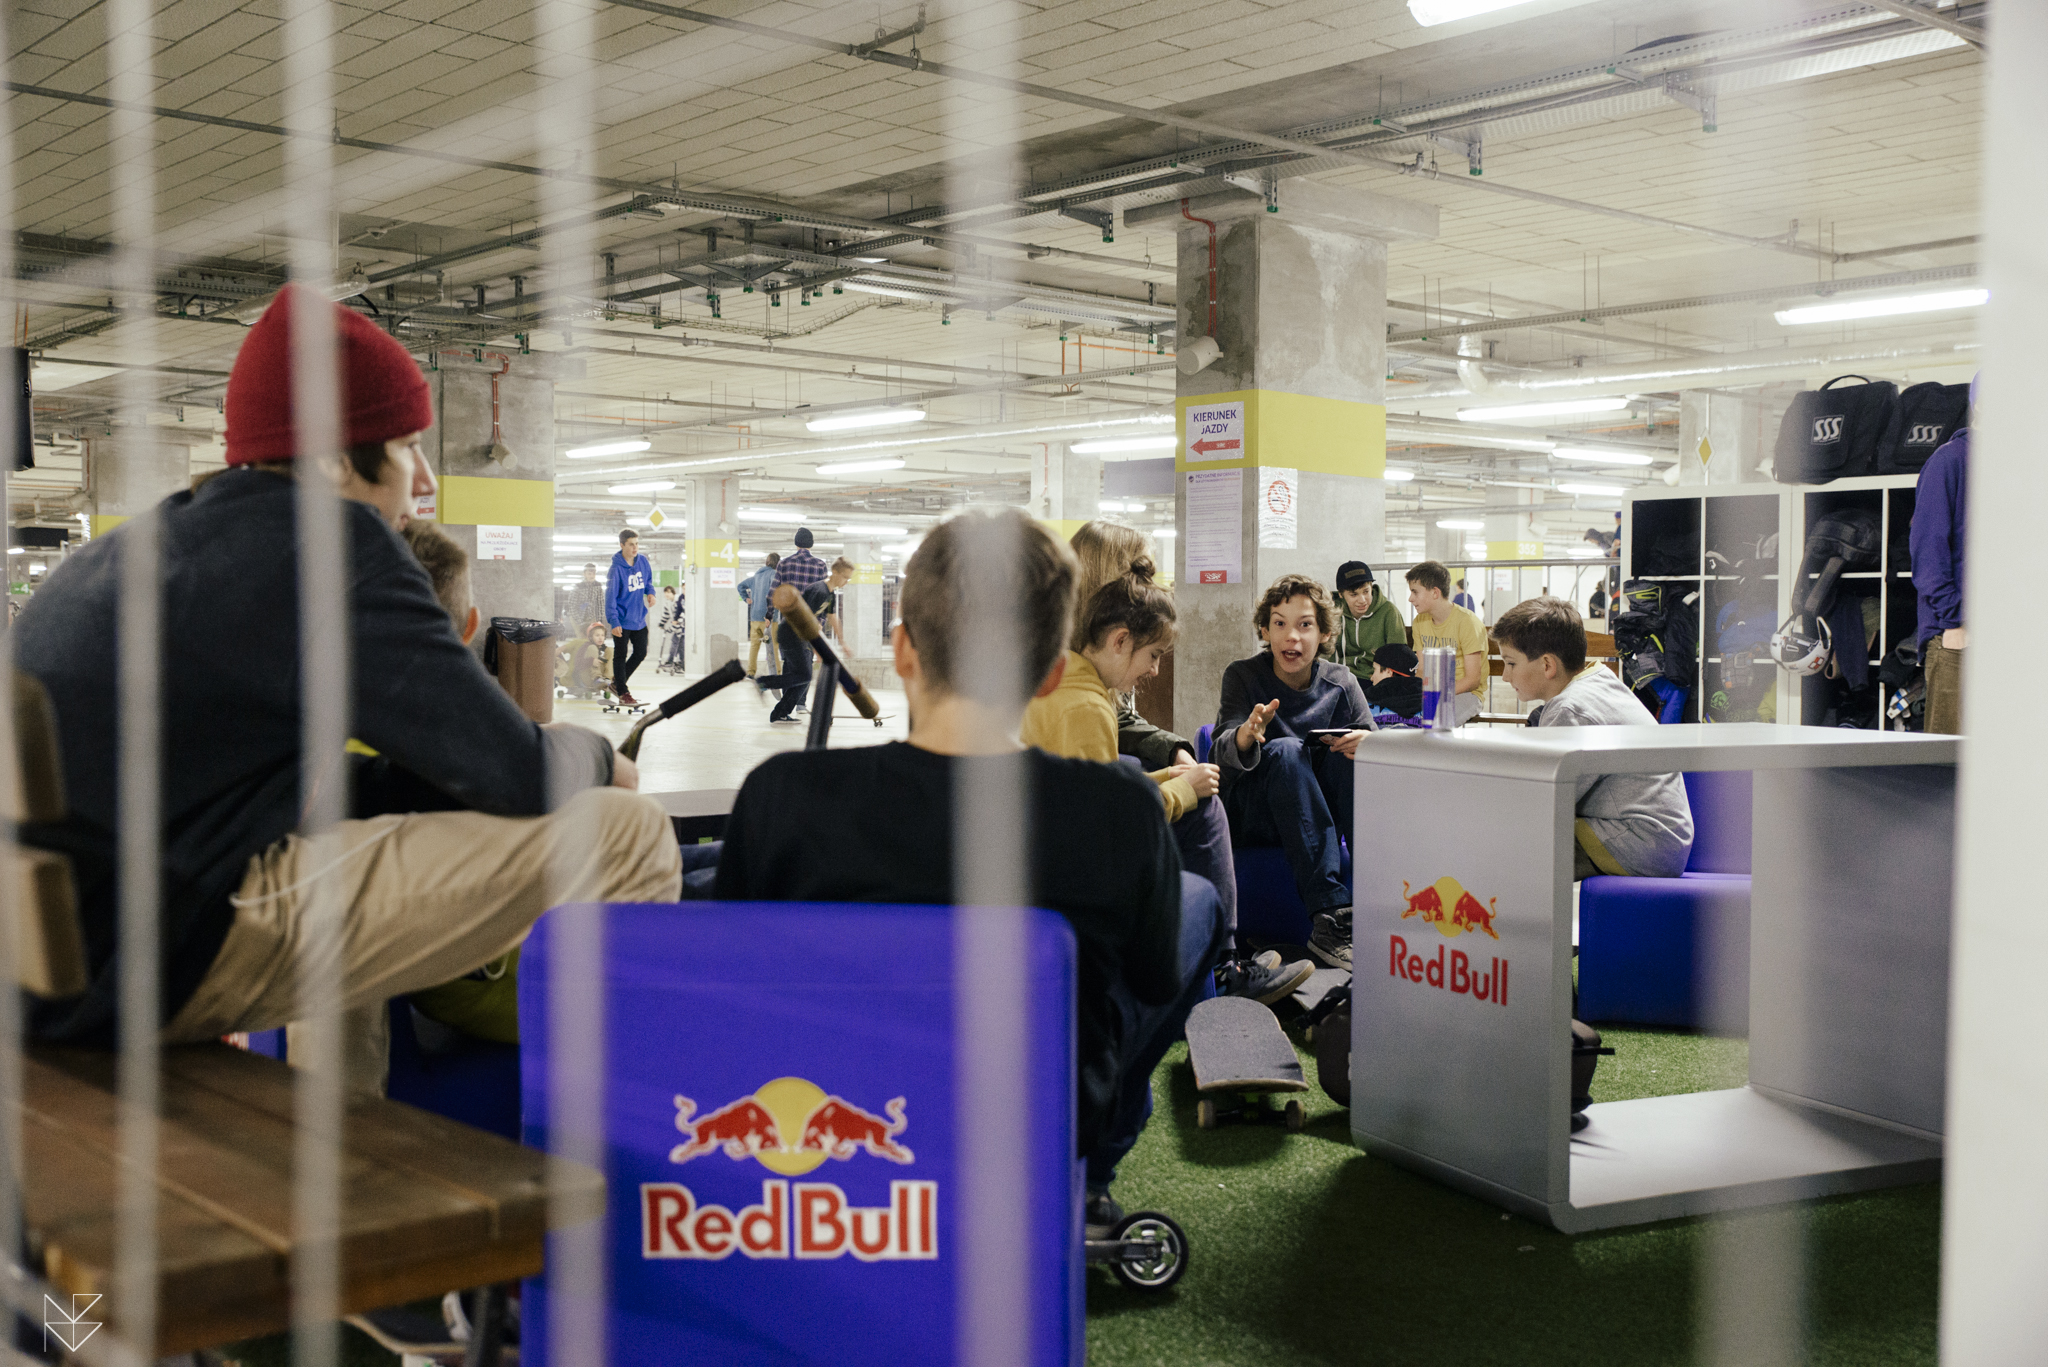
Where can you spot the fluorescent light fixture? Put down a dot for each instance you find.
(1430, 13)
(1398, 476)
(900, 550)
(1111, 505)
(773, 515)
(606, 448)
(862, 529)
(1890, 306)
(1111, 445)
(860, 467)
(642, 486)
(17, 550)
(1166, 533)
(1461, 524)
(874, 417)
(1603, 490)
(1558, 409)
(871, 260)
(1582, 552)
(1596, 456)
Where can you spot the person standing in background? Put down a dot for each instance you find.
(628, 595)
(761, 618)
(586, 601)
(1463, 598)
(801, 569)
(1937, 543)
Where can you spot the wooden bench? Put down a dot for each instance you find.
(1599, 650)
(426, 1205)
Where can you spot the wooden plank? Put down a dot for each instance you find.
(428, 1205)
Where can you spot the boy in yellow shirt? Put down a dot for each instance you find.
(1441, 622)
(1120, 636)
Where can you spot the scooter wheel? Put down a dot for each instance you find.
(1158, 1267)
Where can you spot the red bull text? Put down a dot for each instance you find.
(802, 1219)
(1458, 976)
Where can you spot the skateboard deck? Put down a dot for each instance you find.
(1320, 984)
(1235, 1045)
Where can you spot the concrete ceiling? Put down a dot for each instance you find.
(1859, 125)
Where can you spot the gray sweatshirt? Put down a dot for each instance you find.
(1636, 824)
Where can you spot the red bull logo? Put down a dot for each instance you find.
(1459, 975)
(760, 1126)
(1452, 910)
(802, 1219)
(791, 1126)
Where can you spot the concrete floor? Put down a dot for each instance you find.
(717, 743)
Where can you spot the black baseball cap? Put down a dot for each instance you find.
(1353, 574)
(1396, 657)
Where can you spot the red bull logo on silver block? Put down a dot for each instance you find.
(812, 1220)
(1446, 905)
(1459, 975)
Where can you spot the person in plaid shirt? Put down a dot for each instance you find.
(801, 569)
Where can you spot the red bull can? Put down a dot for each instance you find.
(1439, 687)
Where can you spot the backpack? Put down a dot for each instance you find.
(1829, 433)
(1929, 415)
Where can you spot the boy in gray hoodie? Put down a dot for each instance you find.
(1635, 824)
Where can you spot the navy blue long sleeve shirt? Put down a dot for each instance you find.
(1937, 535)
(1332, 698)
(234, 776)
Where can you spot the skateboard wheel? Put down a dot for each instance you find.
(1162, 1263)
(1205, 1114)
(1297, 1115)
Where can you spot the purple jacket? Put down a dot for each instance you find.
(1937, 535)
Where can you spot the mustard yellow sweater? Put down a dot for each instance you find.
(1078, 720)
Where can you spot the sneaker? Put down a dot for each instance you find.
(1329, 937)
(1264, 978)
(627, 699)
(1101, 1215)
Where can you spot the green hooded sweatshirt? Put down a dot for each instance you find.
(1359, 637)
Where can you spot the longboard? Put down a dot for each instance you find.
(1240, 1057)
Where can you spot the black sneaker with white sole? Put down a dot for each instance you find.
(1329, 937)
(1101, 1215)
(1264, 978)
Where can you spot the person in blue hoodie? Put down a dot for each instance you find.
(628, 593)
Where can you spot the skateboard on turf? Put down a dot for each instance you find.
(1240, 1058)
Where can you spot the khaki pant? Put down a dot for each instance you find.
(422, 899)
(757, 633)
(1944, 689)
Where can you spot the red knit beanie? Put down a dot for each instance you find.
(383, 394)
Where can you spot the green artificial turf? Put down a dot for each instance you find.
(1306, 1251)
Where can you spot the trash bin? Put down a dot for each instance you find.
(521, 652)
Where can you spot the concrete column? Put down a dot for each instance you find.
(1301, 286)
(131, 472)
(1722, 437)
(716, 623)
(1066, 489)
(513, 488)
(1441, 543)
(863, 605)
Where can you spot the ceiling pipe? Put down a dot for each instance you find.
(1907, 10)
(1740, 368)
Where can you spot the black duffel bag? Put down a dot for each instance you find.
(1831, 433)
(1929, 415)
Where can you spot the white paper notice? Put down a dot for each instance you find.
(497, 543)
(721, 577)
(1215, 431)
(1279, 508)
(1215, 541)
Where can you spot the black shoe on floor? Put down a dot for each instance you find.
(1263, 978)
(1101, 1215)
(1329, 937)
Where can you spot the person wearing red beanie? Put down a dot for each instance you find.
(427, 896)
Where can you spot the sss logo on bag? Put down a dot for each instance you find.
(791, 1126)
(1923, 434)
(1827, 429)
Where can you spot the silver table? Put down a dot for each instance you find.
(1460, 1060)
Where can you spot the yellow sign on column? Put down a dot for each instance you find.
(1254, 427)
(714, 552)
(865, 573)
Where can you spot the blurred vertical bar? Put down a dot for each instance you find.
(992, 807)
(13, 1291)
(1995, 1204)
(324, 662)
(132, 172)
(578, 1274)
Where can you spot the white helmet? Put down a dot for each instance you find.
(1800, 652)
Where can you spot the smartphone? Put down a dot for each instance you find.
(1334, 730)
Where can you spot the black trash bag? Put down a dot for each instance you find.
(518, 631)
